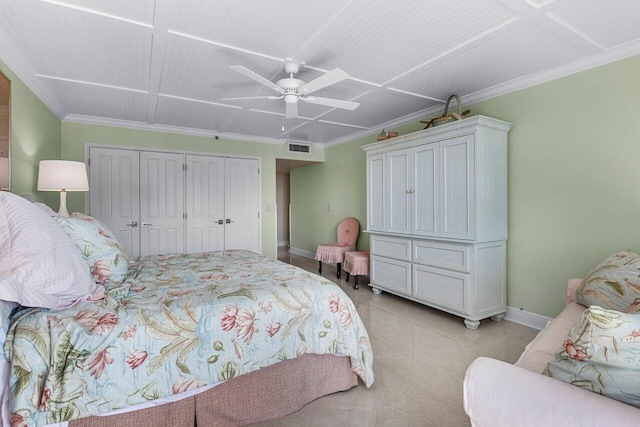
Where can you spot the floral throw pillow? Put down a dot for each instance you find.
(602, 354)
(103, 251)
(613, 284)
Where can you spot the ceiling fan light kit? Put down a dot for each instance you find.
(292, 90)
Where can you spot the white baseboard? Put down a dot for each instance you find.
(307, 254)
(526, 318)
(302, 252)
(515, 315)
(283, 243)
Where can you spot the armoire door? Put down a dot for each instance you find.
(377, 192)
(400, 191)
(161, 203)
(457, 187)
(242, 204)
(426, 213)
(205, 204)
(114, 197)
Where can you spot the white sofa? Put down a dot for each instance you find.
(500, 394)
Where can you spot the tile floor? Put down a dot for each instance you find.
(420, 358)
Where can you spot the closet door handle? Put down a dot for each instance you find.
(133, 224)
(146, 224)
(221, 221)
(229, 221)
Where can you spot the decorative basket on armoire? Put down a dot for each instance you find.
(446, 117)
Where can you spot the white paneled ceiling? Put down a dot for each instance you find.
(164, 64)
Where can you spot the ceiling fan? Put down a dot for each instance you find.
(292, 90)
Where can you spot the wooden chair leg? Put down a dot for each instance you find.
(319, 267)
(347, 275)
(355, 282)
(339, 269)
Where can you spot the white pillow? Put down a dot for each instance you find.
(41, 266)
(46, 209)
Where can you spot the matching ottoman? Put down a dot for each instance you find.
(356, 264)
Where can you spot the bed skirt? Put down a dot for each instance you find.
(267, 394)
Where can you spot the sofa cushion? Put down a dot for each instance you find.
(542, 349)
(601, 354)
(613, 284)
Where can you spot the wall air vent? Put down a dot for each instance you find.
(299, 148)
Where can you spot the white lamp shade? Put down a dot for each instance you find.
(58, 175)
(4, 172)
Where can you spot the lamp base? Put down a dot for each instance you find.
(63, 204)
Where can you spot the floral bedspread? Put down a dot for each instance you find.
(177, 323)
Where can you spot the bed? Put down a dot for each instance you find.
(221, 338)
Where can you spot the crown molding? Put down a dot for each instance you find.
(583, 64)
(100, 121)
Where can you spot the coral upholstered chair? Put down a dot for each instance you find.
(348, 231)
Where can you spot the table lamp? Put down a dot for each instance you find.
(62, 176)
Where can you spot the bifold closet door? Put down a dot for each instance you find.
(161, 203)
(114, 196)
(155, 207)
(242, 204)
(205, 204)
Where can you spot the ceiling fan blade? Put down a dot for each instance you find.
(252, 97)
(329, 102)
(328, 79)
(291, 110)
(256, 77)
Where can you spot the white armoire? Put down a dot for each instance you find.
(437, 217)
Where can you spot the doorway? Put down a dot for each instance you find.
(283, 205)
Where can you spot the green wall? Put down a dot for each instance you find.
(75, 135)
(340, 182)
(573, 153)
(35, 136)
(574, 181)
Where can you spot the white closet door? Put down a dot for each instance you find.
(114, 193)
(205, 204)
(161, 203)
(242, 204)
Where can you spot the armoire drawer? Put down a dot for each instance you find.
(392, 247)
(440, 287)
(442, 255)
(391, 274)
